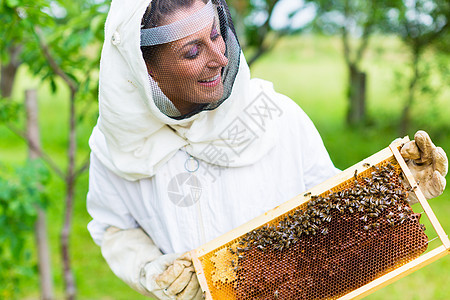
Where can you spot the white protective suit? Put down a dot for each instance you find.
(257, 150)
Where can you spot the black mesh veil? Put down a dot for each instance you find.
(192, 54)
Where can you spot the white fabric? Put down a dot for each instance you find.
(134, 139)
(229, 196)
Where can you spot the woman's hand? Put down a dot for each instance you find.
(428, 164)
(178, 281)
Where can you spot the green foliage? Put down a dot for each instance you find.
(66, 29)
(421, 22)
(9, 110)
(58, 42)
(18, 16)
(353, 16)
(21, 194)
(253, 21)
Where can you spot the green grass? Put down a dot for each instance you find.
(312, 72)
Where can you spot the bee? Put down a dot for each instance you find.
(412, 188)
(366, 165)
(307, 194)
(275, 294)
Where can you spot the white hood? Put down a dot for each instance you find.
(133, 138)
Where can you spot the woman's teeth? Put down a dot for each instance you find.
(212, 79)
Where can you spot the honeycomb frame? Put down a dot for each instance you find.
(222, 248)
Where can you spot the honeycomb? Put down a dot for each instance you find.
(336, 242)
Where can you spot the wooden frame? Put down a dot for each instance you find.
(388, 153)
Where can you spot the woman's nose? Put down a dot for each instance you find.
(218, 58)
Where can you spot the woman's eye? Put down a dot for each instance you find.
(193, 52)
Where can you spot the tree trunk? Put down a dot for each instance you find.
(356, 96)
(70, 289)
(405, 122)
(8, 71)
(45, 274)
(70, 191)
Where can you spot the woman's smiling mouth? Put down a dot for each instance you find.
(211, 82)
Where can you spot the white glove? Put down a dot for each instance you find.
(134, 258)
(427, 163)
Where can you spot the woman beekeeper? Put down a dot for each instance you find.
(188, 147)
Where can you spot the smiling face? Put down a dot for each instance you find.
(189, 71)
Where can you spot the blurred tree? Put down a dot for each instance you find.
(422, 25)
(58, 39)
(252, 20)
(355, 21)
(12, 40)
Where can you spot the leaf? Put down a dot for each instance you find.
(12, 3)
(53, 85)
